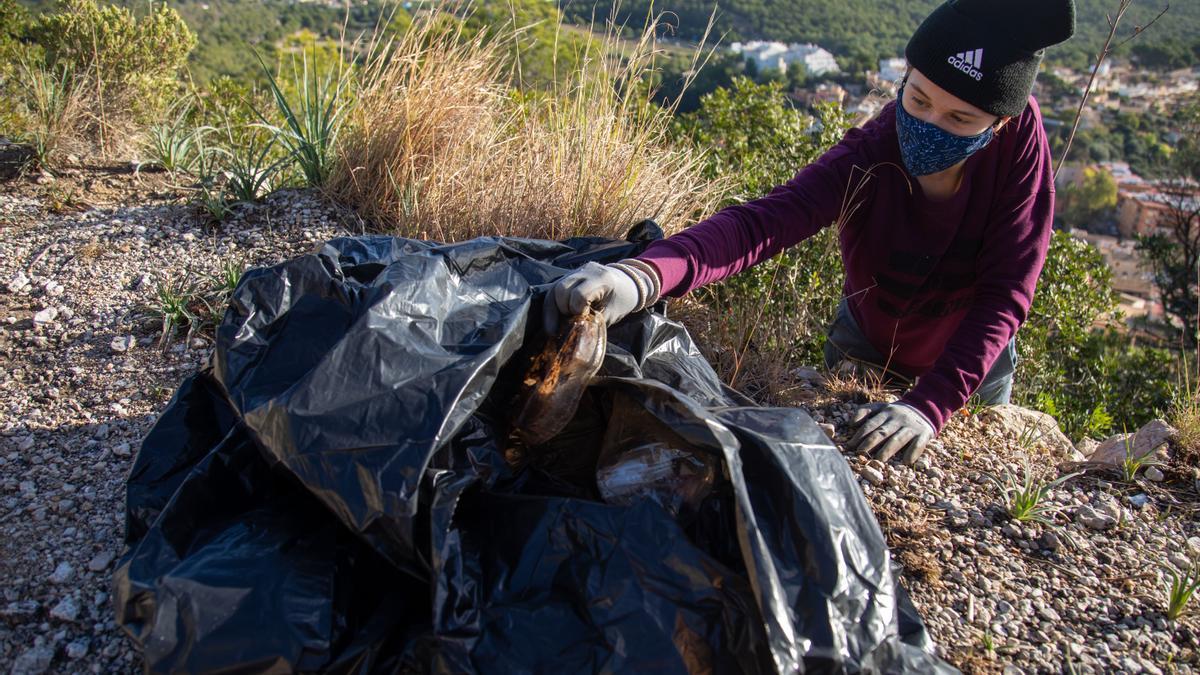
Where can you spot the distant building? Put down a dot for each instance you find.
(778, 56)
(1139, 213)
(893, 69)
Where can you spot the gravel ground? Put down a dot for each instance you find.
(82, 379)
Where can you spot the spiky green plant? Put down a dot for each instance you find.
(1132, 464)
(175, 307)
(176, 144)
(1025, 499)
(227, 278)
(1184, 584)
(249, 167)
(312, 123)
(210, 194)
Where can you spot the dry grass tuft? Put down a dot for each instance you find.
(439, 147)
(1185, 417)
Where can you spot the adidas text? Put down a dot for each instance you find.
(965, 67)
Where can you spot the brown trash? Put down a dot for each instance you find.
(557, 377)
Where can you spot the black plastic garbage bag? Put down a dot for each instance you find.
(333, 493)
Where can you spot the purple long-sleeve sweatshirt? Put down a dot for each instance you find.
(940, 286)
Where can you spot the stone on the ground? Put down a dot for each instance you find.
(122, 343)
(67, 610)
(62, 573)
(33, 661)
(1039, 428)
(45, 316)
(1094, 520)
(1149, 439)
(100, 562)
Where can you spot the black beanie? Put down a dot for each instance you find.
(987, 52)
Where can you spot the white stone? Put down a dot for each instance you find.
(62, 573)
(1094, 520)
(77, 649)
(872, 475)
(45, 316)
(1035, 426)
(67, 609)
(122, 343)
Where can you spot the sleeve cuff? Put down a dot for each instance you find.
(936, 415)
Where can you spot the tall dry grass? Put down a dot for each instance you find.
(440, 146)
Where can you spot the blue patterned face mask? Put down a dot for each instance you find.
(927, 148)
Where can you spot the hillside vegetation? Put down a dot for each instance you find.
(860, 32)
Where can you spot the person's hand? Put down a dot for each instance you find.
(890, 429)
(616, 290)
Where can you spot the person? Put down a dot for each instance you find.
(944, 204)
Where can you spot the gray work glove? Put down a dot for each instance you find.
(885, 429)
(616, 290)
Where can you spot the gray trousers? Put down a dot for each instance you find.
(846, 342)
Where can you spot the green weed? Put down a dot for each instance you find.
(1132, 464)
(226, 279)
(1025, 499)
(176, 302)
(210, 195)
(1184, 584)
(176, 145)
(988, 642)
(53, 108)
(249, 168)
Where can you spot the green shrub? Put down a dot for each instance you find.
(773, 315)
(1087, 378)
(125, 66)
(14, 25)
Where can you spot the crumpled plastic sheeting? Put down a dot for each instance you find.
(331, 494)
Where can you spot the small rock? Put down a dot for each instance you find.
(18, 282)
(958, 518)
(1050, 541)
(21, 611)
(62, 573)
(1047, 612)
(100, 562)
(1131, 666)
(1180, 561)
(1011, 529)
(25, 443)
(33, 661)
(45, 316)
(67, 610)
(77, 649)
(1094, 520)
(121, 450)
(122, 343)
(1139, 500)
(1153, 474)
(1086, 446)
(872, 475)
